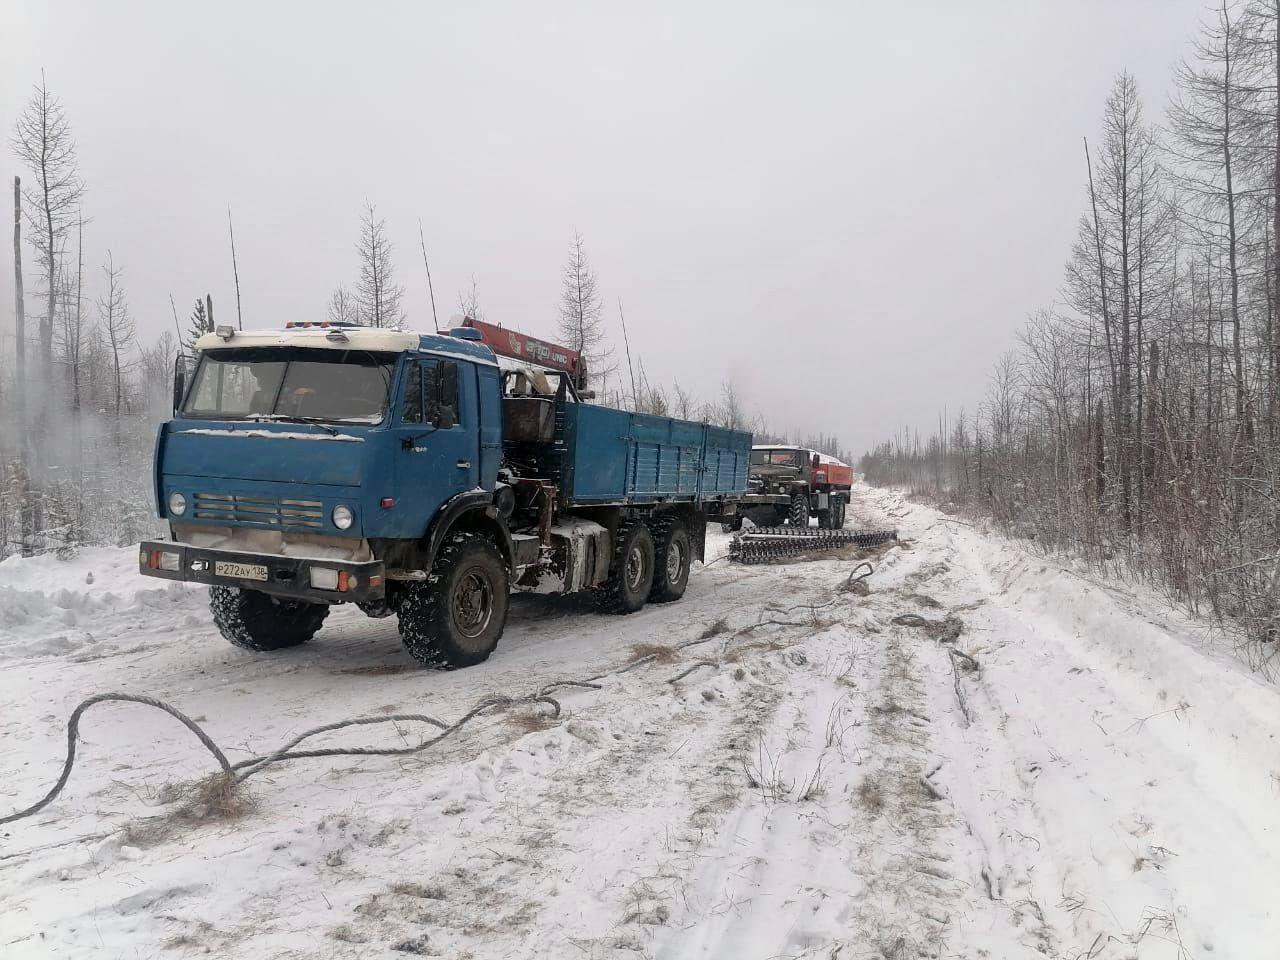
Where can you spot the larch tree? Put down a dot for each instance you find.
(1208, 122)
(117, 329)
(1119, 252)
(580, 324)
(73, 337)
(378, 295)
(343, 307)
(1258, 45)
(43, 143)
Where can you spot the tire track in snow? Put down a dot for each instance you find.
(873, 862)
(1134, 827)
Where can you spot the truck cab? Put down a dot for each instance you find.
(814, 483)
(412, 475)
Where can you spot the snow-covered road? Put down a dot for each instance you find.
(1109, 789)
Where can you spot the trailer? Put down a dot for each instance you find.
(416, 476)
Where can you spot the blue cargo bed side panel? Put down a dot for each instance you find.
(617, 456)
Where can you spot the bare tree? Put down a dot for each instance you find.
(1206, 120)
(469, 301)
(343, 307)
(43, 143)
(683, 406)
(156, 370)
(377, 292)
(580, 325)
(730, 412)
(117, 328)
(19, 305)
(73, 324)
(1120, 252)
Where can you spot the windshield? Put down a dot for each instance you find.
(290, 383)
(789, 458)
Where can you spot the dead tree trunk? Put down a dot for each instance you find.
(19, 312)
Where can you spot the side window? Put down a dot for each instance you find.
(443, 407)
(412, 410)
(431, 394)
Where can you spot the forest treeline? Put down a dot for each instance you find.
(1137, 423)
(81, 394)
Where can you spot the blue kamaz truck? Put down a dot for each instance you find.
(420, 476)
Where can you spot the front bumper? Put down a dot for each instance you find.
(285, 576)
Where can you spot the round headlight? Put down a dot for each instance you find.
(343, 517)
(177, 504)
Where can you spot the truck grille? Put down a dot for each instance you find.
(233, 508)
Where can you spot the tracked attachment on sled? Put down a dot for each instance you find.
(777, 543)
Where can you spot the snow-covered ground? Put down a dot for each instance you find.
(815, 789)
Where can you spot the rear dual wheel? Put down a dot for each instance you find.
(832, 518)
(647, 567)
(631, 572)
(674, 556)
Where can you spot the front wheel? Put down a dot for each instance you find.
(252, 620)
(799, 512)
(671, 565)
(455, 618)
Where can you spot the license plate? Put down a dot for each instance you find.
(242, 571)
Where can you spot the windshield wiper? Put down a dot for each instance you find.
(281, 418)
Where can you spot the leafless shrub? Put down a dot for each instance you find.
(217, 797)
(814, 785)
(530, 721)
(346, 933)
(763, 774)
(420, 891)
(715, 629)
(871, 795)
(657, 652)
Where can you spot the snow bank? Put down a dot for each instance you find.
(52, 607)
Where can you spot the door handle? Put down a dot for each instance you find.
(464, 464)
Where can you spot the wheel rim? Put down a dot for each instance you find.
(675, 561)
(635, 568)
(472, 604)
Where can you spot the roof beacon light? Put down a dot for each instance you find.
(226, 333)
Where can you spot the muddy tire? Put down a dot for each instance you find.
(631, 574)
(826, 517)
(843, 507)
(255, 621)
(455, 618)
(799, 512)
(672, 558)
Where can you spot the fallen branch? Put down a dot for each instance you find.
(962, 663)
(946, 630)
(696, 666)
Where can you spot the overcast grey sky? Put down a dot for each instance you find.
(849, 208)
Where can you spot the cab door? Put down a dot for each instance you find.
(437, 456)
